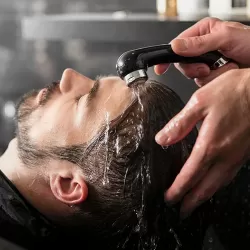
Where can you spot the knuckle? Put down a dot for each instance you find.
(215, 19)
(235, 24)
(227, 32)
(226, 29)
(205, 19)
(198, 41)
(210, 20)
(197, 99)
(210, 153)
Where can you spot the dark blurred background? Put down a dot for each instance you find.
(32, 64)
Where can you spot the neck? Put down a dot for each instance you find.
(10, 164)
(13, 168)
(30, 182)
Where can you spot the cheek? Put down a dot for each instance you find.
(115, 106)
(87, 124)
(51, 127)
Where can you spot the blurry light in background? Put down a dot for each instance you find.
(74, 49)
(9, 109)
(76, 6)
(39, 6)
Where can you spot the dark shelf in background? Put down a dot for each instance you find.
(108, 27)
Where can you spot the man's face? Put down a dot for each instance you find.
(72, 111)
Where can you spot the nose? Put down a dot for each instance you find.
(73, 81)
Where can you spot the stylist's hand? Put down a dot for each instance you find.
(231, 38)
(223, 143)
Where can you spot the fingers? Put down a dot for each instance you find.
(198, 163)
(207, 187)
(161, 69)
(200, 28)
(229, 39)
(182, 123)
(190, 174)
(207, 35)
(199, 38)
(204, 190)
(196, 70)
(198, 45)
(201, 72)
(235, 24)
(215, 73)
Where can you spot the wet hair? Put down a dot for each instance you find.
(127, 173)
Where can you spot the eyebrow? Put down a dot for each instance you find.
(95, 88)
(93, 91)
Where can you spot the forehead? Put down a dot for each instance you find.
(115, 89)
(113, 79)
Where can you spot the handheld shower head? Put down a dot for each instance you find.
(134, 64)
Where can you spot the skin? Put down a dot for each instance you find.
(63, 120)
(222, 104)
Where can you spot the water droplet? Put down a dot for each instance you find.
(106, 141)
(176, 238)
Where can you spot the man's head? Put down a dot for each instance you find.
(90, 144)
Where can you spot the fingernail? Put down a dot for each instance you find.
(161, 138)
(181, 44)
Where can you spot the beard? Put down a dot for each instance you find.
(25, 106)
(30, 153)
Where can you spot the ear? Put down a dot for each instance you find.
(68, 187)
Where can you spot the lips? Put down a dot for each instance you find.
(41, 95)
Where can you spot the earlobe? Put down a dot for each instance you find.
(71, 190)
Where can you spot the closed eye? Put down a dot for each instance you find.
(91, 93)
(78, 98)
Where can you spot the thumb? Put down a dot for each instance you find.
(197, 45)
